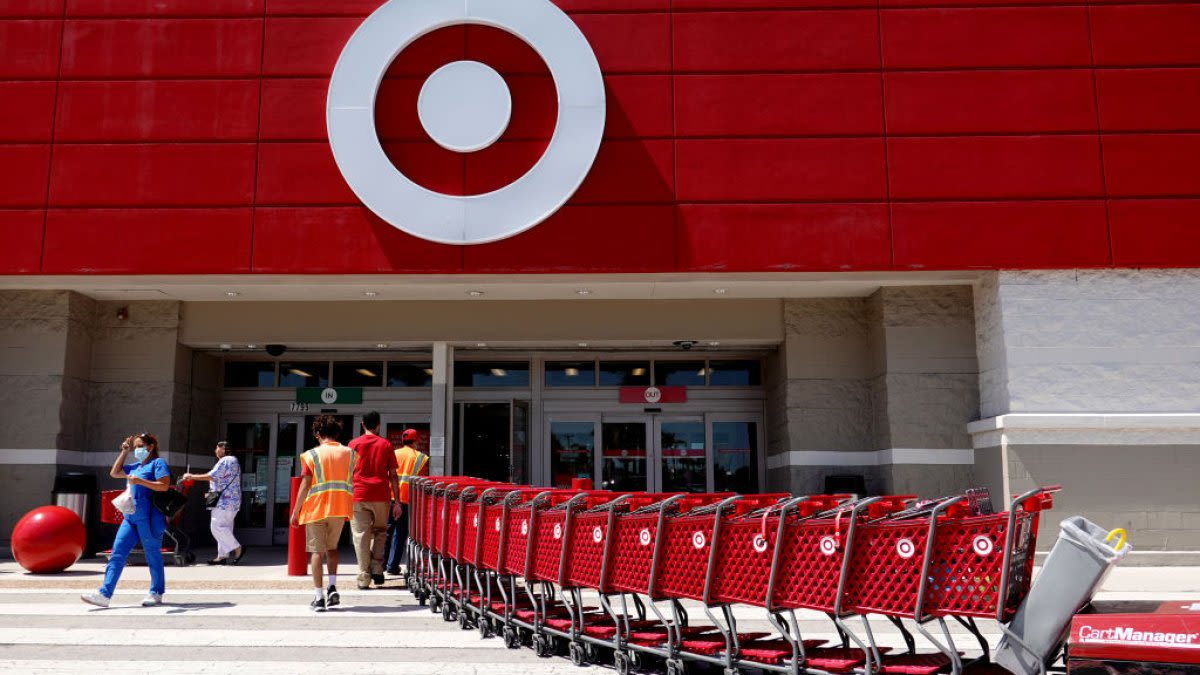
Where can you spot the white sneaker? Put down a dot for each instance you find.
(95, 598)
(151, 600)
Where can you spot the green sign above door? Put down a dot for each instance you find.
(330, 395)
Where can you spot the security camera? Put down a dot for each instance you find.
(685, 345)
(276, 350)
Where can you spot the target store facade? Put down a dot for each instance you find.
(741, 245)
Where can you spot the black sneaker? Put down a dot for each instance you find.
(332, 598)
(394, 571)
(378, 579)
(317, 605)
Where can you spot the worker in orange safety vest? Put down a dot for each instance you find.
(412, 463)
(324, 503)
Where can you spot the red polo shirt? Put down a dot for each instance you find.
(373, 457)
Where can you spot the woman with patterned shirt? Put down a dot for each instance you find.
(226, 478)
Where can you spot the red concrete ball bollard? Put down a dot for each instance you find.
(48, 540)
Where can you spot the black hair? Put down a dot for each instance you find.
(327, 426)
(371, 420)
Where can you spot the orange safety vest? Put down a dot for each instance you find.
(411, 462)
(331, 494)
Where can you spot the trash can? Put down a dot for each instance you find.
(76, 491)
(1074, 570)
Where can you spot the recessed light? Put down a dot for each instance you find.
(381, 345)
(301, 373)
(429, 371)
(251, 346)
(370, 294)
(584, 291)
(571, 372)
(475, 294)
(499, 372)
(714, 343)
(638, 372)
(226, 346)
(365, 372)
(583, 344)
(720, 291)
(232, 294)
(481, 345)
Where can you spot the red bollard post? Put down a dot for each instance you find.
(297, 557)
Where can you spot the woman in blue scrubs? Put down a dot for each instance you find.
(146, 474)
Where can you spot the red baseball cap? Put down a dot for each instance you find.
(410, 435)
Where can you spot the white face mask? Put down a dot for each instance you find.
(140, 454)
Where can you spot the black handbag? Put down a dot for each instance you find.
(169, 502)
(211, 498)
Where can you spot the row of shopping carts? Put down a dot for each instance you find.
(525, 562)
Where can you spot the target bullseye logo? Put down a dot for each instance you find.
(760, 543)
(557, 531)
(905, 548)
(698, 539)
(597, 535)
(465, 106)
(644, 537)
(828, 545)
(983, 545)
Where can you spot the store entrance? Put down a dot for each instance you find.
(493, 440)
(660, 453)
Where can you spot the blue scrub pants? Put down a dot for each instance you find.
(130, 533)
(397, 540)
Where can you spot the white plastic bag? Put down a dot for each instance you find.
(124, 502)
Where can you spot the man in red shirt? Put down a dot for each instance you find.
(375, 483)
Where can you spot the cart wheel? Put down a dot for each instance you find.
(542, 646)
(464, 621)
(621, 663)
(435, 604)
(422, 599)
(635, 661)
(191, 557)
(676, 667)
(511, 639)
(591, 653)
(576, 654)
(485, 628)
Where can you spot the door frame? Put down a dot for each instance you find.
(259, 536)
(759, 456)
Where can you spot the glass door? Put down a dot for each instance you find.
(681, 454)
(625, 454)
(519, 443)
(253, 443)
(572, 443)
(736, 440)
(289, 443)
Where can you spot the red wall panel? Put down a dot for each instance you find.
(729, 42)
(847, 169)
(158, 110)
(783, 237)
(1150, 35)
(153, 175)
(1152, 165)
(342, 240)
(629, 43)
(639, 106)
(778, 105)
(30, 49)
(989, 101)
(293, 109)
(300, 173)
(31, 8)
(125, 241)
(636, 239)
(1145, 99)
(996, 167)
(323, 7)
(985, 38)
(132, 8)
(21, 232)
(305, 46)
(26, 111)
(23, 175)
(129, 48)
(1155, 231)
(1000, 234)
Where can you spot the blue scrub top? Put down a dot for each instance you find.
(146, 513)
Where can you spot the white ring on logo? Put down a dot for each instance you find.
(760, 543)
(828, 545)
(644, 537)
(557, 531)
(698, 539)
(475, 521)
(457, 518)
(497, 524)
(597, 535)
(983, 545)
(905, 548)
(475, 219)
(524, 527)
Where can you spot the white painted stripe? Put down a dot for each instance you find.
(206, 637)
(51, 456)
(208, 667)
(872, 457)
(299, 608)
(1086, 429)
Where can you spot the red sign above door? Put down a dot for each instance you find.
(653, 395)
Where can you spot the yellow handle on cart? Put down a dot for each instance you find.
(1121, 536)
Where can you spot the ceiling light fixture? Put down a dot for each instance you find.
(365, 373)
(481, 345)
(475, 294)
(370, 294)
(584, 291)
(429, 371)
(583, 344)
(381, 345)
(251, 346)
(232, 294)
(714, 343)
(720, 291)
(638, 372)
(499, 372)
(572, 372)
(297, 371)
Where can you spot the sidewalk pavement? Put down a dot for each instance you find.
(266, 569)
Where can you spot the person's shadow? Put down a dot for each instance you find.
(376, 609)
(174, 608)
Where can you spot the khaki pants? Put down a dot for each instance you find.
(369, 529)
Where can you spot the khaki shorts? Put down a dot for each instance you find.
(323, 535)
